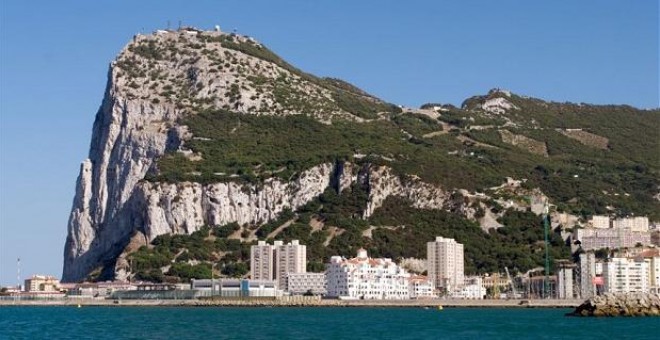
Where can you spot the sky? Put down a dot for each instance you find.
(54, 58)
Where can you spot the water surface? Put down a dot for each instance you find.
(313, 323)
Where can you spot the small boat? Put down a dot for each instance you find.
(440, 307)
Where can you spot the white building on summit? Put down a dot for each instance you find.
(366, 278)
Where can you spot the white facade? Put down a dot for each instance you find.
(592, 238)
(420, 287)
(639, 223)
(565, 288)
(275, 262)
(472, 289)
(366, 278)
(623, 275)
(302, 283)
(652, 259)
(600, 222)
(445, 263)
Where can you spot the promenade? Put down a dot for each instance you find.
(301, 302)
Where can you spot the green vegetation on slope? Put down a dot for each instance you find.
(258, 147)
(518, 245)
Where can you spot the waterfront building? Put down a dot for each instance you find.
(290, 258)
(472, 289)
(366, 278)
(420, 287)
(236, 287)
(42, 283)
(652, 259)
(303, 283)
(274, 262)
(262, 260)
(445, 263)
(625, 275)
(99, 289)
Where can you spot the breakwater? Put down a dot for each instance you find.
(620, 304)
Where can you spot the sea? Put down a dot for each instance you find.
(70, 322)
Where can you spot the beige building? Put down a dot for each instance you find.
(42, 283)
(289, 258)
(262, 259)
(445, 263)
(275, 262)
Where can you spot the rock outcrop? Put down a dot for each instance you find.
(620, 304)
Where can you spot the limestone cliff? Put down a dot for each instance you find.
(155, 81)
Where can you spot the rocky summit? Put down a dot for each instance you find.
(214, 136)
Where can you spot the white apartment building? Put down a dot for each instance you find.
(275, 262)
(365, 278)
(472, 289)
(592, 238)
(445, 263)
(652, 259)
(302, 283)
(640, 223)
(600, 222)
(623, 275)
(420, 287)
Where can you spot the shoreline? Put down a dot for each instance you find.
(427, 303)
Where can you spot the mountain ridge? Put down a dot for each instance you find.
(207, 128)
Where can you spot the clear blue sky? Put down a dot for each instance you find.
(54, 58)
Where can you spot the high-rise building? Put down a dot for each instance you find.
(445, 263)
(289, 258)
(624, 275)
(262, 259)
(275, 262)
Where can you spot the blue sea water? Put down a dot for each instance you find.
(313, 323)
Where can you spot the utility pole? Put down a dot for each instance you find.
(18, 274)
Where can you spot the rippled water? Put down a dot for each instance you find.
(313, 323)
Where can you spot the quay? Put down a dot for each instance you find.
(302, 302)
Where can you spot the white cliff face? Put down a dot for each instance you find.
(384, 183)
(184, 207)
